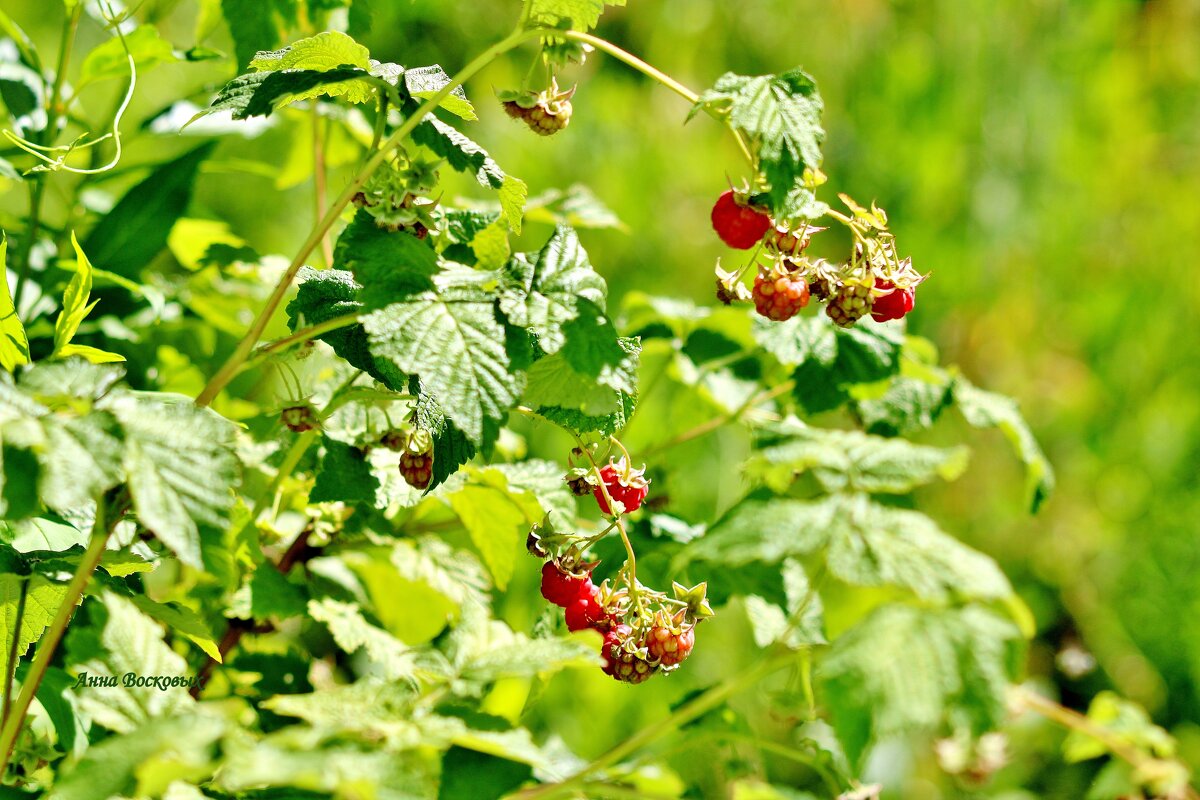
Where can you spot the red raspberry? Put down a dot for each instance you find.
(779, 295)
(416, 462)
(893, 305)
(563, 588)
(626, 486)
(586, 610)
(737, 224)
(669, 643)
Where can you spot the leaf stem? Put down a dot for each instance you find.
(244, 348)
(54, 633)
(718, 422)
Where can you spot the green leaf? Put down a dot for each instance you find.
(344, 475)
(577, 207)
(864, 543)
(180, 467)
(1124, 721)
(388, 265)
(850, 460)
(130, 642)
(113, 767)
(129, 236)
(253, 27)
(352, 632)
(451, 447)
(325, 294)
(23, 92)
(986, 410)
(268, 595)
(425, 82)
(904, 670)
(513, 193)
(330, 51)
(450, 338)
(497, 520)
(909, 405)
(484, 650)
(542, 291)
(554, 383)
(780, 115)
(41, 601)
(580, 15)
(594, 349)
(258, 94)
(109, 60)
(182, 620)
(14, 345)
(75, 300)
(460, 152)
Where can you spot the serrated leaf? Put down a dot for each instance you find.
(387, 265)
(14, 344)
(850, 460)
(41, 600)
(451, 447)
(352, 632)
(268, 595)
(904, 670)
(131, 642)
(985, 410)
(325, 294)
(343, 475)
(182, 620)
(450, 338)
(425, 82)
(864, 543)
(455, 574)
(111, 768)
(577, 207)
(460, 151)
(109, 59)
(513, 193)
(329, 51)
(483, 650)
(909, 405)
(496, 518)
(594, 349)
(491, 246)
(781, 116)
(545, 290)
(180, 467)
(552, 382)
(258, 94)
(576, 14)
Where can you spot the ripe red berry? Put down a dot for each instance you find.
(737, 224)
(779, 295)
(626, 486)
(563, 588)
(670, 644)
(893, 305)
(585, 611)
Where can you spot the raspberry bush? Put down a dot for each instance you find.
(315, 548)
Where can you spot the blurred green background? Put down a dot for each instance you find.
(1040, 158)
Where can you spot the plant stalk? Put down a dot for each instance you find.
(53, 635)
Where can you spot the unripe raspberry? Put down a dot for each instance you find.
(779, 295)
(416, 462)
(850, 304)
(670, 643)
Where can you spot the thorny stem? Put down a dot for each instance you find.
(38, 189)
(101, 529)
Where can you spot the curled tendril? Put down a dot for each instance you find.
(59, 162)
